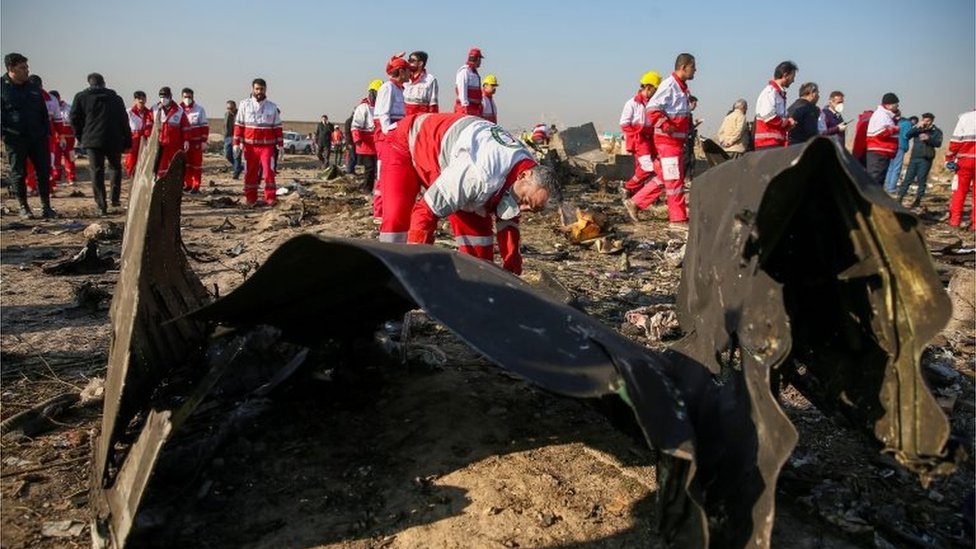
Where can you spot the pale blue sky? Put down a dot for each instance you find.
(566, 62)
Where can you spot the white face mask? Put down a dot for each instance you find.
(187, 101)
(839, 108)
(165, 101)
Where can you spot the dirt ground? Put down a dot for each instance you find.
(453, 454)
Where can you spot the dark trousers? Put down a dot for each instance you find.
(324, 153)
(351, 160)
(96, 166)
(369, 170)
(37, 151)
(877, 167)
(917, 172)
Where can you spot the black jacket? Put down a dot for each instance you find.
(925, 149)
(24, 116)
(806, 115)
(99, 119)
(323, 135)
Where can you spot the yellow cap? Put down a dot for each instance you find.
(490, 79)
(375, 85)
(652, 78)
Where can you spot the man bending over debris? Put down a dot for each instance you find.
(471, 170)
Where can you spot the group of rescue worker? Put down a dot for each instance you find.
(422, 165)
(462, 165)
(656, 123)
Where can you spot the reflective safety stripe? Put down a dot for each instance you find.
(770, 136)
(504, 224)
(678, 135)
(451, 135)
(466, 240)
(396, 238)
(966, 155)
(675, 192)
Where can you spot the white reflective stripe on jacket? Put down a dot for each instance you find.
(475, 159)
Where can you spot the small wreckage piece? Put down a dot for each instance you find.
(797, 270)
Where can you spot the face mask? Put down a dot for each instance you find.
(165, 101)
(187, 101)
(839, 108)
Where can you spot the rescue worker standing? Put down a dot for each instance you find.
(882, 138)
(489, 111)
(471, 171)
(389, 109)
(197, 139)
(361, 132)
(467, 85)
(669, 113)
(174, 129)
(26, 127)
(772, 120)
(638, 134)
(64, 153)
(961, 157)
(140, 128)
(258, 131)
(420, 92)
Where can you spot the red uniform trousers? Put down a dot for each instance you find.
(65, 157)
(641, 175)
(194, 166)
(669, 151)
(400, 187)
(965, 188)
(643, 171)
(31, 178)
(259, 157)
(473, 233)
(132, 156)
(381, 147)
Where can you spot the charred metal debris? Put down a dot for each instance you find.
(797, 271)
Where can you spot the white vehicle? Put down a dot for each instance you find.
(297, 143)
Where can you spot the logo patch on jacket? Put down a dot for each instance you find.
(504, 138)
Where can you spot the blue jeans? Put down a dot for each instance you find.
(918, 171)
(235, 161)
(894, 170)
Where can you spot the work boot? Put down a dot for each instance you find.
(49, 213)
(632, 210)
(25, 212)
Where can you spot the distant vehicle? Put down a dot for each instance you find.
(297, 142)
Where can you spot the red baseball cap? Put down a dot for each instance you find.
(396, 63)
(475, 52)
